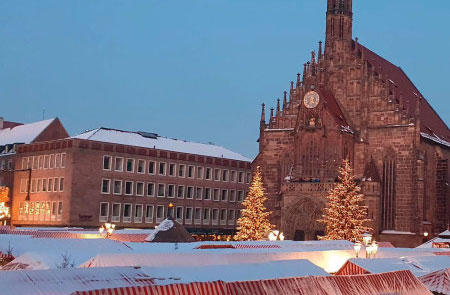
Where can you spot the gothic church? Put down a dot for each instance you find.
(352, 103)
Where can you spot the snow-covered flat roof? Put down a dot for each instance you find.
(140, 139)
(23, 133)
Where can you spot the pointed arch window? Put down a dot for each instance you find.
(388, 193)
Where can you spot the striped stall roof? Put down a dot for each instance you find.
(438, 281)
(400, 283)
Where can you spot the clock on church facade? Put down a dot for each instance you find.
(351, 103)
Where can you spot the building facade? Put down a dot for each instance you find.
(351, 103)
(132, 179)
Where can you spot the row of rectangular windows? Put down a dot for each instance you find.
(162, 190)
(51, 161)
(42, 185)
(160, 168)
(42, 211)
(3, 165)
(184, 215)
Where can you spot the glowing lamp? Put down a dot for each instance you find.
(374, 248)
(367, 237)
(357, 248)
(425, 234)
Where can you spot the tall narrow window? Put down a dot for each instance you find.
(388, 194)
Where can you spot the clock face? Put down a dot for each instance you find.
(311, 99)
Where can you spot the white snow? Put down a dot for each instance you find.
(394, 232)
(163, 226)
(23, 133)
(435, 139)
(162, 143)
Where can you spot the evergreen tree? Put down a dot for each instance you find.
(254, 223)
(345, 216)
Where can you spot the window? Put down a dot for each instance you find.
(225, 175)
(39, 185)
(215, 216)
(161, 190)
(180, 192)
(118, 164)
(141, 166)
(105, 185)
(223, 216)
(33, 185)
(41, 162)
(181, 170)
(63, 160)
(172, 169)
(58, 161)
(224, 197)
(171, 212)
(240, 196)
(388, 197)
(200, 172)
(149, 214)
(104, 210)
(190, 173)
(117, 187)
(54, 210)
(216, 195)
(45, 162)
(3, 165)
(198, 193)
(159, 213)
(128, 188)
(130, 165)
(60, 209)
(44, 184)
(231, 217)
(35, 163)
(107, 162)
(217, 174)
(115, 212)
(31, 212)
(51, 162)
(50, 185)
(24, 163)
(207, 195)
(206, 215)
(61, 184)
(127, 213)
(190, 192)
(55, 185)
(208, 173)
(233, 176)
(162, 168)
(10, 165)
(138, 213)
(197, 215)
(179, 214)
(30, 163)
(241, 177)
(249, 178)
(151, 167)
(139, 188)
(188, 217)
(150, 189)
(232, 196)
(22, 186)
(171, 191)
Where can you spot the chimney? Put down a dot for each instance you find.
(1, 122)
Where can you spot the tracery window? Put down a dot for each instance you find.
(388, 193)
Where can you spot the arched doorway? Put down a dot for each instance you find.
(301, 220)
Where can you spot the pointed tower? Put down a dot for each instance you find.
(339, 22)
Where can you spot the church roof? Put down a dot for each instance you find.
(431, 123)
(333, 107)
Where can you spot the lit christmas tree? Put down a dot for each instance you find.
(345, 216)
(254, 224)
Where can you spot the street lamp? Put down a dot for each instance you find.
(367, 237)
(374, 248)
(357, 248)
(171, 210)
(108, 227)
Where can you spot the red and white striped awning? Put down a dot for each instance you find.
(400, 283)
(438, 281)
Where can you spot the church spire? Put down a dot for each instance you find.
(339, 21)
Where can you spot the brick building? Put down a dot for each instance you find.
(352, 103)
(128, 178)
(13, 134)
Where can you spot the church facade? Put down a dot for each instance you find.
(352, 103)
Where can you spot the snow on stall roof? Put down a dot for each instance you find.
(66, 281)
(23, 133)
(381, 265)
(159, 142)
(163, 226)
(234, 272)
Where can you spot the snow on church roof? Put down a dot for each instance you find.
(23, 133)
(150, 140)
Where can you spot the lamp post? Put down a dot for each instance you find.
(374, 248)
(107, 229)
(357, 248)
(170, 210)
(367, 237)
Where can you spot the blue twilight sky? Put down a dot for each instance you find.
(194, 69)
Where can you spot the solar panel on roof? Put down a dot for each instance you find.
(148, 134)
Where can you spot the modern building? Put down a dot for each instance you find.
(352, 103)
(132, 179)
